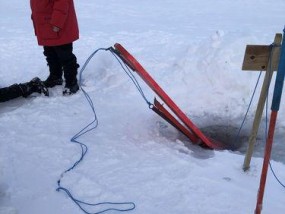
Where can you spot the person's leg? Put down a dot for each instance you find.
(55, 67)
(35, 85)
(69, 64)
(10, 92)
(23, 90)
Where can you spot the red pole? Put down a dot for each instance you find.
(277, 94)
(266, 160)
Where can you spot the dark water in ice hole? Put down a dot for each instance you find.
(228, 136)
(235, 141)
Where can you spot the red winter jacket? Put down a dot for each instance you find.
(58, 13)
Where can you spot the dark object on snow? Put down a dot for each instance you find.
(23, 90)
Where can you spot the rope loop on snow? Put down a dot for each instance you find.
(80, 204)
(92, 125)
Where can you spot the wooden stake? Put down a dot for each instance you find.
(261, 103)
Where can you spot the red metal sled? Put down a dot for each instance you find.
(191, 131)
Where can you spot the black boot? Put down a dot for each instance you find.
(35, 85)
(55, 68)
(71, 83)
(52, 81)
(70, 88)
(55, 76)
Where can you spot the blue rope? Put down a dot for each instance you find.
(275, 176)
(266, 128)
(92, 125)
(132, 77)
(249, 105)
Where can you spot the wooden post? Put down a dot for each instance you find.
(272, 55)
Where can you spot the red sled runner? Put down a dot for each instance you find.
(187, 127)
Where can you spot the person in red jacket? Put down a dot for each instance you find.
(56, 29)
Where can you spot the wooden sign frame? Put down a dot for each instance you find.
(256, 58)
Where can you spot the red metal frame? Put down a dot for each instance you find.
(161, 111)
(197, 136)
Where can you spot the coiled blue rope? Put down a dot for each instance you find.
(92, 125)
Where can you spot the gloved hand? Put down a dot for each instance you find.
(55, 29)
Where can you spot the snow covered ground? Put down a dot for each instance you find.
(194, 49)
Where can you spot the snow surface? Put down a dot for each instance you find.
(194, 49)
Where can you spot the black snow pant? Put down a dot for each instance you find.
(61, 60)
(10, 92)
(22, 90)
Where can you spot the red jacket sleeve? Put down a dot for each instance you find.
(60, 12)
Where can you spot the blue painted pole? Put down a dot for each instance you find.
(279, 78)
(274, 110)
